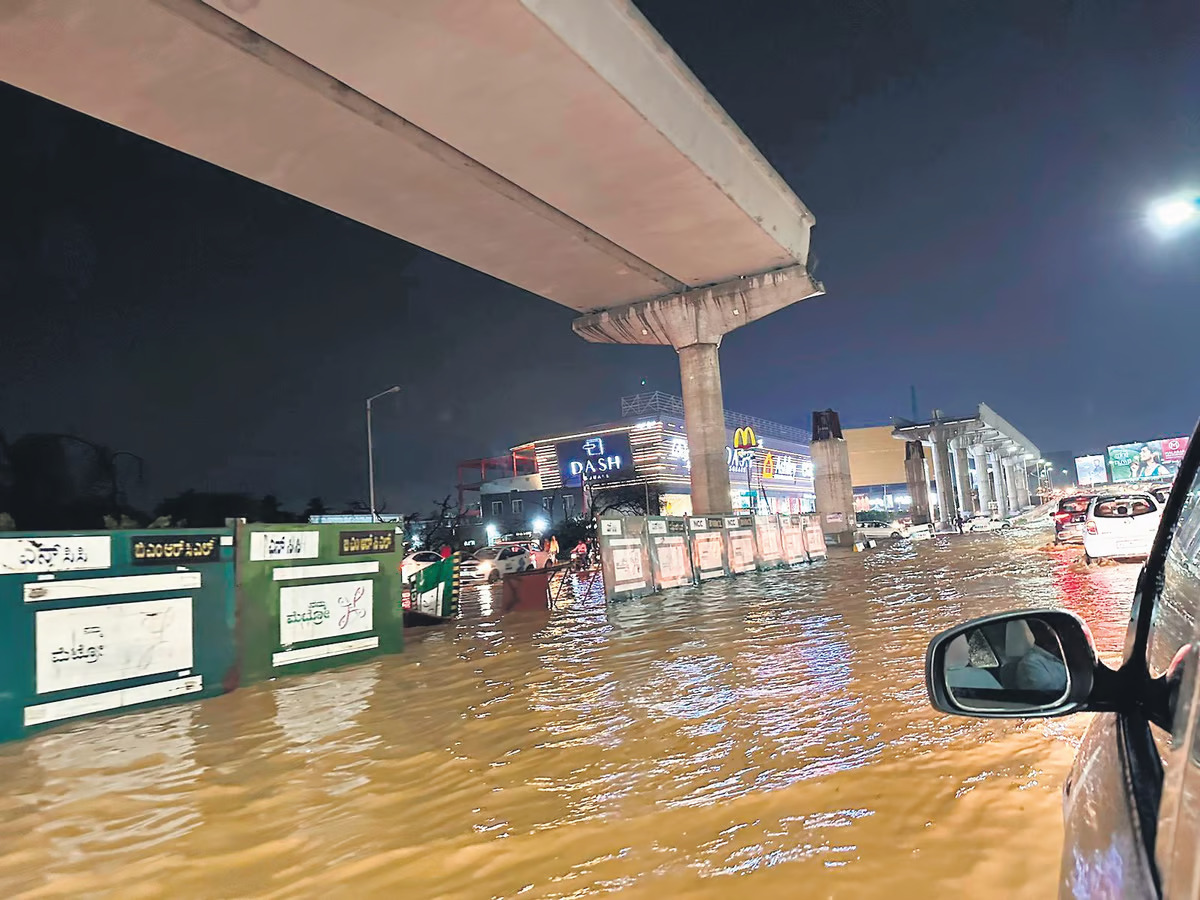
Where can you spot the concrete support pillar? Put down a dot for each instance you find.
(1000, 490)
(918, 481)
(941, 474)
(1022, 473)
(962, 477)
(984, 480)
(704, 416)
(693, 322)
(1010, 477)
(831, 478)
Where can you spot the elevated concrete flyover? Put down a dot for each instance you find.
(558, 145)
(987, 439)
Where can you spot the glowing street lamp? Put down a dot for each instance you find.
(1169, 215)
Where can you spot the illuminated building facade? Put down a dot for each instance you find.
(770, 468)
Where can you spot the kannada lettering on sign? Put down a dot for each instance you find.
(54, 554)
(364, 543)
(268, 545)
(314, 612)
(170, 549)
(87, 645)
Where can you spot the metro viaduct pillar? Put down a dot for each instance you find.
(983, 478)
(694, 322)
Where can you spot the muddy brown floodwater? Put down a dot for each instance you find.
(765, 736)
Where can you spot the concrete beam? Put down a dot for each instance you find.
(700, 316)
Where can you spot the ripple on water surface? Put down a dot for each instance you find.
(761, 736)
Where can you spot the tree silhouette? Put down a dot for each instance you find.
(52, 481)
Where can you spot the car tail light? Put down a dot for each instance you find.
(1091, 528)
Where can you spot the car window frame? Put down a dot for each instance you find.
(1148, 700)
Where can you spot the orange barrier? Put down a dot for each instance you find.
(526, 591)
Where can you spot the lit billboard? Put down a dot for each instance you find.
(1090, 470)
(595, 459)
(1149, 460)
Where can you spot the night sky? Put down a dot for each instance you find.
(979, 173)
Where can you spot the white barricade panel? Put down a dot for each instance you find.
(708, 547)
(770, 547)
(624, 557)
(739, 532)
(814, 537)
(792, 530)
(670, 556)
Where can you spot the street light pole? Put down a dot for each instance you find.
(371, 448)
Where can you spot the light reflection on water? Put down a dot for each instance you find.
(763, 736)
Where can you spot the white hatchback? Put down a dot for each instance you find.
(1121, 526)
(877, 529)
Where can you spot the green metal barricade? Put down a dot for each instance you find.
(98, 621)
(435, 590)
(315, 596)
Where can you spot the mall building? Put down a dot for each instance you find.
(561, 475)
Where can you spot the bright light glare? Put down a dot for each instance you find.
(1173, 213)
(540, 525)
(492, 533)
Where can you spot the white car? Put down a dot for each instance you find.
(415, 562)
(883, 529)
(492, 563)
(537, 555)
(985, 523)
(1121, 526)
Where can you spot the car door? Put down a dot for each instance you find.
(509, 561)
(1127, 834)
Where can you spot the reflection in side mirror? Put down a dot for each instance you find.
(1032, 663)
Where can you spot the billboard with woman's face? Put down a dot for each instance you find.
(1149, 461)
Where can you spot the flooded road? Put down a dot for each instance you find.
(765, 736)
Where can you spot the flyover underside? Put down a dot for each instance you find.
(482, 130)
(558, 145)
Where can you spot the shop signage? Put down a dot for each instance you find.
(744, 438)
(54, 554)
(365, 543)
(597, 459)
(775, 465)
(86, 645)
(153, 550)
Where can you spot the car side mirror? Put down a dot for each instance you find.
(1015, 664)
